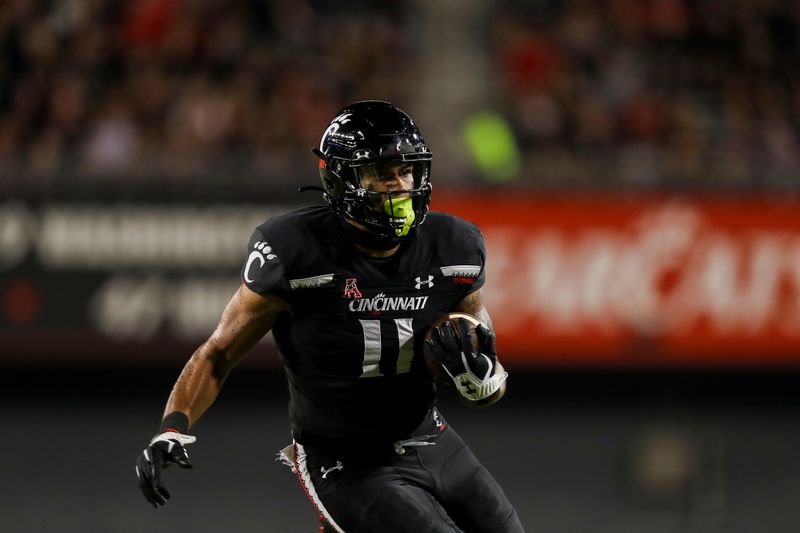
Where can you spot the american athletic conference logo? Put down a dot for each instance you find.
(351, 289)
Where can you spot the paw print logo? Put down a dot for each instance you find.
(265, 248)
(261, 251)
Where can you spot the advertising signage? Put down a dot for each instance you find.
(580, 281)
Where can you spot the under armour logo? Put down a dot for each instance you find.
(466, 384)
(326, 471)
(428, 282)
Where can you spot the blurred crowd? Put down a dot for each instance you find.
(684, 93)
(613, 92)
(184, 88)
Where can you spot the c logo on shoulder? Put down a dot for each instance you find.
(253, 257)
(260, 249)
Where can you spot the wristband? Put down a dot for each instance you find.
(175, 421)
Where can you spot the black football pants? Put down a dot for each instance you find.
(409, 489)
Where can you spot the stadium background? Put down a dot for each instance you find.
(634, 165)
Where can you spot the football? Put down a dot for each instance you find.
(433, 366)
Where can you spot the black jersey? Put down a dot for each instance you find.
(352, 344)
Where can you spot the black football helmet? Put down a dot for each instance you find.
(371, 133)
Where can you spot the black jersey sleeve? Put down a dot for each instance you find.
(476, 251)
(461, 251)
(263, 271)
(480, 256)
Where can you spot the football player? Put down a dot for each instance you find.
(349, 291)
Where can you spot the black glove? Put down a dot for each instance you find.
(165, 449)
(472, 371)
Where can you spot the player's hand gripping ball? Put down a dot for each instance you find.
(433, 359)
(460, 349)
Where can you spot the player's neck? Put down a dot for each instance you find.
(380, 254)
(363, 241)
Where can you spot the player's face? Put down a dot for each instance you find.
(387, 178)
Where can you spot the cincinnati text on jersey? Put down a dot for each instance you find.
(380, 302)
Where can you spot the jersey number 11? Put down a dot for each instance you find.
(378, 357)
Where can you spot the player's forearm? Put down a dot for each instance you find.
(198, 384)
(246, 318)
(473, 304)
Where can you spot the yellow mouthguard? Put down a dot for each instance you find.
(401, 208)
